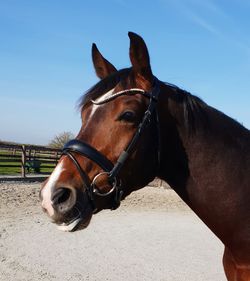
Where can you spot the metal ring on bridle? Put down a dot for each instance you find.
(96, 191)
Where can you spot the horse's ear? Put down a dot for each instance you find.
(139, 57)
(103, 67)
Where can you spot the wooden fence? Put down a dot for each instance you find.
(27, 159)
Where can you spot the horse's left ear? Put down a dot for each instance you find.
(103, 67)
(139, 57)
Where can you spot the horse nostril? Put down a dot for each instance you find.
(60, 196)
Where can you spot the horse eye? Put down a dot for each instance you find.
(127, 116)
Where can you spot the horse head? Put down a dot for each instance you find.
(116, 149)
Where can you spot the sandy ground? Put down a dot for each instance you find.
(152, 236)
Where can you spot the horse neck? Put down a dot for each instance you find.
(174, 159)
(205, 166)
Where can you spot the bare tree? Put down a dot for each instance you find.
(59, 140)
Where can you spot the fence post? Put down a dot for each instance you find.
(56, 156)
(23, 161)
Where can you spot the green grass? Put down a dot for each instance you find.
(9, 170)
(17, 170)
(44, 168)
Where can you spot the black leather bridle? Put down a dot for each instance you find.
(110, 169)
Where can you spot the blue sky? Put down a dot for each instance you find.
(45, 60)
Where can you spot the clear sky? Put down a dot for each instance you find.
(202, 46)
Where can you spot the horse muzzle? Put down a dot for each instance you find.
(68, 208)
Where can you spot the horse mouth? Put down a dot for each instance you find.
(76, 223)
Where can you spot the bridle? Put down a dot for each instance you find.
(112, 170)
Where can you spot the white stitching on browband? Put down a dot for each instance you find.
(101, 101)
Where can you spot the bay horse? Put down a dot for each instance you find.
(135, 128)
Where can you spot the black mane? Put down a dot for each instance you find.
(199, 115)
(194, 108)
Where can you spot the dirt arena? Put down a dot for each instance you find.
(152, 236)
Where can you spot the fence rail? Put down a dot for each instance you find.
(25, 159)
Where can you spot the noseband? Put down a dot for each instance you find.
(110, 169)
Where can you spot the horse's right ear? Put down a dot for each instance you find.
(103, 67)
(139, 57)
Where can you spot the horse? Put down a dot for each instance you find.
(135, 128)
